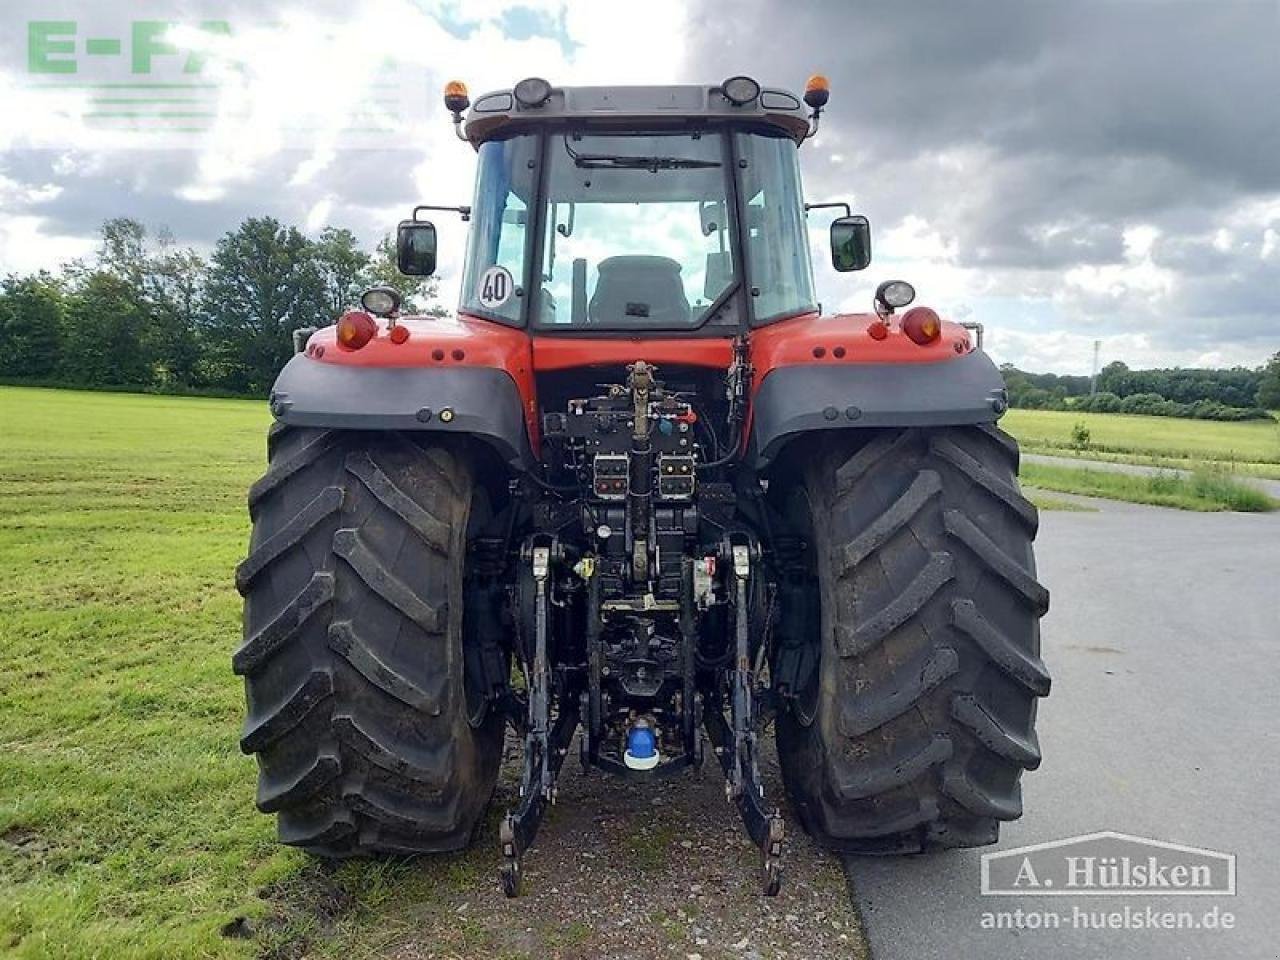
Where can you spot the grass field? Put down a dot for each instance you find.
(123, 822)
(1249, 447)
(126, 819)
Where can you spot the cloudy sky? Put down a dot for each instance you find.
(1064, 172)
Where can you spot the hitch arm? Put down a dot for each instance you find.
(735, 741)
(545, 746)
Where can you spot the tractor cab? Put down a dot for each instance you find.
(623, 210)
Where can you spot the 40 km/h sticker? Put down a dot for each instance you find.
(496, 287)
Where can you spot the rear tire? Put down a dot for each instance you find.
(913, 722)
(353, 646)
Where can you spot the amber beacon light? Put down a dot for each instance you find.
(817, 91)
(456, 98)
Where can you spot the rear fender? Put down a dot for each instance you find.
(453, 378)
(829, 374)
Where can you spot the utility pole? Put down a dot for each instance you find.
(1093, 380)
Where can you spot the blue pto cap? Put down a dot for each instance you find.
(641, 743)
(642, 748)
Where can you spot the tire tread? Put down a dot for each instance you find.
(352, 649)
(930, 658)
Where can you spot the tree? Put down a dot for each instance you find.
(165, 282)
(343, 266)
(174, 283)
(417, 294)
(122, 252)
(108, 321)
(263, 284)
(1115, 378)
(32, 317)
(1268, 393)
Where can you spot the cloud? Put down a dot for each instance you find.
(317, 66)
(1092, 169)
(1060, 172)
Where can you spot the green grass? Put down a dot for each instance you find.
(123, 818)
(1205, 489)
(127, 825)
(1045, 502)
(1251, 447)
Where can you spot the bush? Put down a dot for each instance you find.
(1100, 403)
(1143, 404)
(1214, 483)
(1080, 436)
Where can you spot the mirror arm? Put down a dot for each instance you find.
(814, 119)
(566, 229)
(848, 211)
(464, 212)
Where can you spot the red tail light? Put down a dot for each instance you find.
(922, 325)
(355, 329)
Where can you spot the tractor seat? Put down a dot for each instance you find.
(639, 290)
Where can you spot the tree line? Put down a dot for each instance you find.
(1235, 394)
(144, 313)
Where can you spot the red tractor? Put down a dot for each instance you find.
(640, 490)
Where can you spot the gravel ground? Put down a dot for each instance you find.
(658, 869)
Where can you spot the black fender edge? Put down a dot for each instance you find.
(829, 396)
(483, 402)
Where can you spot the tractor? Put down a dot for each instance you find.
(641, 495)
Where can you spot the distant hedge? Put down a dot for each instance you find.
(1154, 405)
(168, 391)
(1198, 394)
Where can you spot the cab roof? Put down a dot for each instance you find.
(498, 114)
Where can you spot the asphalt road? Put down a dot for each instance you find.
(1162, 639)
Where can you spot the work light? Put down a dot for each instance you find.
(740, 90)
(532, 92)
(895, 293)
(380, 301)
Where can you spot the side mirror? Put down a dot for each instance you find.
(850, 243)
(416, 248)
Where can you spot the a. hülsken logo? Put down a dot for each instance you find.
(1108, 864)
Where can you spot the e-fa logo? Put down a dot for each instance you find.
(53, 46)
(1108, 864)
